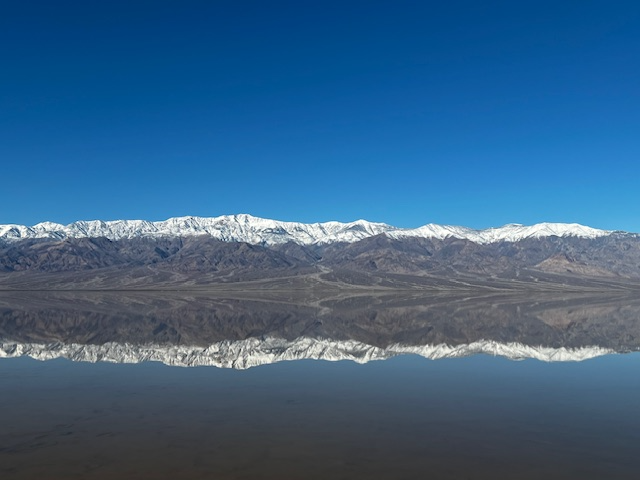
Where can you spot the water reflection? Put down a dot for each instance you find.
(189, 330)
(477, 417)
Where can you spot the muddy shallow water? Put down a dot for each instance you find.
(407, 417)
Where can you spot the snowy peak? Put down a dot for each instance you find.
(261, 231)
(509, 233)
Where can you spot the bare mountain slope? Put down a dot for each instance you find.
(513, 257)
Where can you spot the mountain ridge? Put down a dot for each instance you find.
(261, 231)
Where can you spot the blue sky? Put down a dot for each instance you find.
(405, 112)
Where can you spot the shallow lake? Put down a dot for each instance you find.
(386, 411)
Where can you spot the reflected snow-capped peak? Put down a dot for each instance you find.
(252, 352)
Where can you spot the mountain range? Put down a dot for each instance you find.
(260, 231)
(197, 252)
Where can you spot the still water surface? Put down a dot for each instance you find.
(475, 417)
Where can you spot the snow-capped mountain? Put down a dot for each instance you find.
(253, 352)
(259, 231)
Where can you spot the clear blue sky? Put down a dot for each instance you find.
(406, 112)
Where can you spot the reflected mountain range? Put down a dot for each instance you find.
(191, 330)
